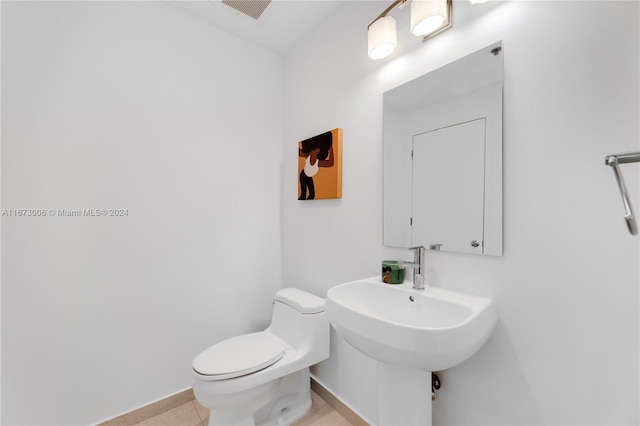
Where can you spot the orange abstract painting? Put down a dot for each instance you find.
(320, 166)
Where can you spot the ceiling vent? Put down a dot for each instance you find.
(252, 8)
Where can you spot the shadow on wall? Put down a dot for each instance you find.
(478, 381)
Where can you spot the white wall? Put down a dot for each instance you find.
(136, 106)
(141, 107)
(566, 347)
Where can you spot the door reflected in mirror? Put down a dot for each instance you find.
(442, 157)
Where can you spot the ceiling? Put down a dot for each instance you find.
(281, 26)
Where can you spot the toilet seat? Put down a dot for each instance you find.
(239, 356)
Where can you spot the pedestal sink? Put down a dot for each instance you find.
(411, 333)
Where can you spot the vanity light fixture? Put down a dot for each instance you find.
(382, 37)
(428, 18)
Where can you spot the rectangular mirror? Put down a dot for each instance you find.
(442, 157)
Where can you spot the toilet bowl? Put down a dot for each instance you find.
(263, 378)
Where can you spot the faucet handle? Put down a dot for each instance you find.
(417, 248)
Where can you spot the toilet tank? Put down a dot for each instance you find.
(299, 319)
(301, 301)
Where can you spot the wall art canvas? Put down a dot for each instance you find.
(320, 166)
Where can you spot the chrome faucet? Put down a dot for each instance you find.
(418, 267)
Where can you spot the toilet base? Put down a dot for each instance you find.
(278, 402)
(292, 401)
(234, 408)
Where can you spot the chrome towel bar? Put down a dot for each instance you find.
(613, 160)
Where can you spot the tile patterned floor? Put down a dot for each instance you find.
(193, 414)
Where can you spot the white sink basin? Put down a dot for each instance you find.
(431, 329)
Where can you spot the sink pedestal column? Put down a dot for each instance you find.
(404, 395)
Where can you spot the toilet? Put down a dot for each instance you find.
(263, 378)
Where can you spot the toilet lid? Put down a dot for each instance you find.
(239, 355)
